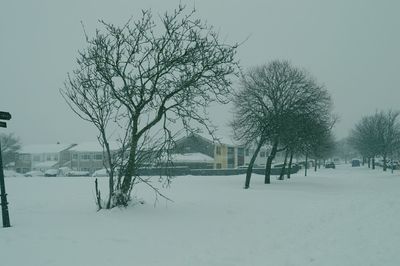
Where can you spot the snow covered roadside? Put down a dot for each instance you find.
(343, 216)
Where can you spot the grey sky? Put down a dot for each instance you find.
(352, 47)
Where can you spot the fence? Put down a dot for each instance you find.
(177, 171)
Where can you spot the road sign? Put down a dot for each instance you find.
(3, 124)
(5, 115)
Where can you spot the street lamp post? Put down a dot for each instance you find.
(4, 203)
(3, 194)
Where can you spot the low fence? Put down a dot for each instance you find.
(178, 171)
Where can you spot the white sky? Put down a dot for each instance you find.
(350, 46)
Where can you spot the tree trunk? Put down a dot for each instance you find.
(281, 176)
(391, 165)
(111, 173)
(130, 168)
(290, 165)
(251, 164)
(315, 165)
(271, 156)
(369, 162)
(306, 166)
(373, 163)
(384, 163)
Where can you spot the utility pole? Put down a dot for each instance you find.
(3, 194)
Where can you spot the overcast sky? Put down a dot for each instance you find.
(352, 47)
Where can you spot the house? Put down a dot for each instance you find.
(40, 157)
(207, 154)
(260, 159)
(86, 156)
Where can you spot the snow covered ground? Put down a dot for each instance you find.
(342, 216)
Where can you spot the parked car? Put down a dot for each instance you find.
(393, 164)
(330, 165)
(100, 173)
(355, 163)
(34, 173)
(63, 171)
(78, 173)
(12, 173)
(51, 172)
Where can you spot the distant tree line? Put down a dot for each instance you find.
(377, 135)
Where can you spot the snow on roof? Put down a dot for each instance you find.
(191, 158)
(46, 164)
(221, 138)
(94, 146)
(44, 148)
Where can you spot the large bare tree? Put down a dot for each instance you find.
(152, 76)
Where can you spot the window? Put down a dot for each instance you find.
(48, 157)
(85, 156)
(98, 156)
(240, 156)
(231, 157)
(247, 152)
(56, 157)
(262, 153)
(218, 150)
(219, 166)
(74, 156)
(24, 157)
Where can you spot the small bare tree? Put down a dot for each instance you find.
(377, 134)
(10, 146)
(155, 77)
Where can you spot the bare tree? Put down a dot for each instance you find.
(377, 134)
(10, 146)
(158, 76)
(364, 138)
(271, 99)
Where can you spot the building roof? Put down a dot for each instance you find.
(46, 164)
(219, 138)
(45, 148)
(94, 146)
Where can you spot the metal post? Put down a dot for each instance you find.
(3, 195)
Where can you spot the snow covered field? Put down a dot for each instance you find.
(343, 216)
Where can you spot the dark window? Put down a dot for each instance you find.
(85, 156)
(231, 157)
(240, 156)
(218, 151)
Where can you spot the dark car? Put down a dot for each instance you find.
(355, 163)
(330, 165)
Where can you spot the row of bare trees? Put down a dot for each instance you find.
(140, 81)
(282, 106)
(377, 135)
